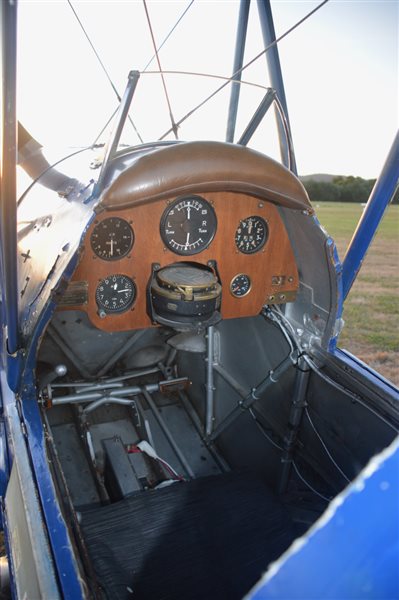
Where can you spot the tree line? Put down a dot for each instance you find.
(342, 189)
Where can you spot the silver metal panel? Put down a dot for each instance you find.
(74, 464)
(30, 552)
(186, 436)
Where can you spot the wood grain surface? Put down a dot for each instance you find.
(274, 260)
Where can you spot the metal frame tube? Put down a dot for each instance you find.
(123, 111)
(210, 387)
(294, 422)
(257, 117)
(119, 353)
(276, 79)
(8, 157)
(108, 400)
(238, 62)
(116, 393)
(380, 197)
(256, 393)
(57, 339)
(167, 433)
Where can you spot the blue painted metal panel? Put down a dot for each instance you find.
(353, 549)
(379, 199)
(386, 387)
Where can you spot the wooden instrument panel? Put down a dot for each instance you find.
(272, 270)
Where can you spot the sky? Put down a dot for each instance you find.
(340, 71)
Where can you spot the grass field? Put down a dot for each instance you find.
(371, 312)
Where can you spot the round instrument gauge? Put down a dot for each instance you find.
(240, 285)
(115, 294)
(112, 238)
(188, 225)
(251, 234)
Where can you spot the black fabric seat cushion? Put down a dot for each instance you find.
(208, 538)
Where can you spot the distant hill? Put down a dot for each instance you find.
(323, 177)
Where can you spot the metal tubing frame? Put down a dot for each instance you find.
(8, 156)
(294, 421)
(115, 393)
(255, 394)
(276, 79)
(380, 197)
(238, 63)
(210, 387)
(257, 117)
(123, 112)
(167, 433)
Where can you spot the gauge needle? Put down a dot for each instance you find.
(111, 243)
(188, 239)
(250, 227)
(120, 291)
(188, 212)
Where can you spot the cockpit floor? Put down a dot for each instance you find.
(210, 538)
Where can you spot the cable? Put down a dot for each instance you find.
(274, 43)
(102, 66)
(325, 447)
(263, 431)
(301, 477)
(341, 388)
(174, 126)
(326, 378)
(168, 36)
(147, 65)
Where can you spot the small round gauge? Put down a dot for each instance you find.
(251, 234)
(112, 238)
(188, 225)
(240, 285)
(115, 294)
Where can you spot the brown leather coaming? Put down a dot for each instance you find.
(195, 167)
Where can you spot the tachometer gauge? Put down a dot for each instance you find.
(188, 225)
(240, 285)
(112, 238)
(115, 294)
(251, 235)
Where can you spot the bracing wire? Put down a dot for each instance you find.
(301, 477)
(325, 447)
(168, 36)
(102, 66)
(174, 126)
(248, 64)
(149, 62)
(273, 443)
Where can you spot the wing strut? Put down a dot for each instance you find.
(380, 197)
(237, 68)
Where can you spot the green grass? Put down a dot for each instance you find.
(340, 219)
(371, 311)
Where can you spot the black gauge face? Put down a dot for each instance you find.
(115, 294)
(240, 285)
(188, 225)
(112, 239)
(251, 235)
